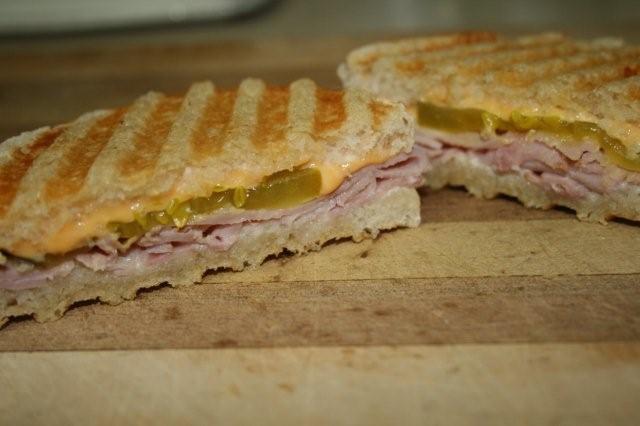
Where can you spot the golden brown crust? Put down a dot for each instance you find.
(13, 172)
(544, 75)
(162, 148)
(145, 147)
(365, 57)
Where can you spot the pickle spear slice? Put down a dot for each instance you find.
(280, 190)
(452, 120)
(460, 120)
(285, 189)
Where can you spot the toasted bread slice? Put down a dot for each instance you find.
(551, 94)
(544, 75)
(60, 186)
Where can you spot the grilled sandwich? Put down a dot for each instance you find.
(172, 186)
(544, 118)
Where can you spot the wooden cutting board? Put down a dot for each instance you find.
(486, 313)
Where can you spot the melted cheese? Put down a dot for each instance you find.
(78, 233)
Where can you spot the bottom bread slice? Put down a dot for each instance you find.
(398, 207)
(483, 181)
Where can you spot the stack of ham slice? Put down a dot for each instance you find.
(567, 169)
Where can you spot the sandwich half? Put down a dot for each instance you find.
(173, 186)
(543, 118)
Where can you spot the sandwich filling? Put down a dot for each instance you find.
(214, 223)
(469, 120)
(280, 190)
(570, 160)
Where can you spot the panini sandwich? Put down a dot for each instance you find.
(172, 186)
(544, 118)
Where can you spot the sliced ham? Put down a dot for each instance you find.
(572, 170)
(12, 278)
(504, 158)
(220, 230)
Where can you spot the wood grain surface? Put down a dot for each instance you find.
(487, 313)
(464, 276)
(557, 384)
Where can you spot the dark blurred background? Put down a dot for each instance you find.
(59, 58)
(310, 18)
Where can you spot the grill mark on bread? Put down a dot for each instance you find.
(463, 38)
(631, 70)
(209, 137)
(12, 173)
(476, 52)
(378, 111)
(437, 43)
(583, 66)
(177, 149)
(549, 69)
(495, 68)
(506, 61)
(605, 75)
(147, 144)
(414, 66)
(330, 110)
(633, 92)
(489, 69)
(272, 117)
(74, 167)
(584, 82)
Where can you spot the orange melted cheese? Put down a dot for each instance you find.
(78, 233)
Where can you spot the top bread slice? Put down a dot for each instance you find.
(60, 186)
(595, 81)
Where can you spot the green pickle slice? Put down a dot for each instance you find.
(460, 120)
(454, 120)
(280, 190)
